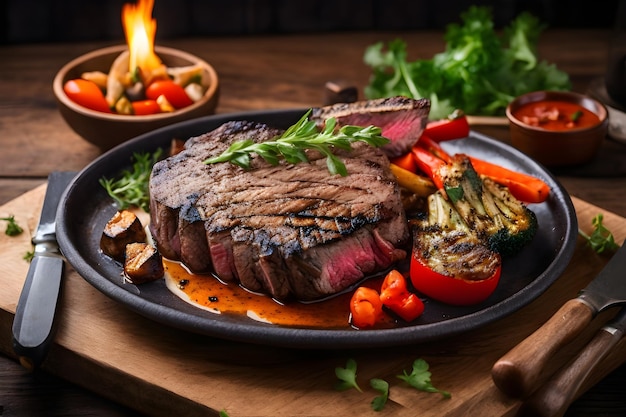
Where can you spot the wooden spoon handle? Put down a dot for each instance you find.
(553, 399)
(519, 370)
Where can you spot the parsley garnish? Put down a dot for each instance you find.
(480, 70)
(291, 145)
(382, 386)
(419, 378)
(131, 189)
(347, 377)
(601, 239)
(13, 229)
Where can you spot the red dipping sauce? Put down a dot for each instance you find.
(556, 115)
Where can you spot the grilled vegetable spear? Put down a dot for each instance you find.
(449, 262)
(488, 209)
(469, 223)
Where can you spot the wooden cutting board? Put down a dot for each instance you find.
(162, 371)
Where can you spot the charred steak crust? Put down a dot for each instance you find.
(290, 231)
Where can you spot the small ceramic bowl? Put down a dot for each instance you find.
(108, 130)
(573, 146)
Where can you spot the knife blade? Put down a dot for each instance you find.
(34, 316)
(517, 372)
(556, 395)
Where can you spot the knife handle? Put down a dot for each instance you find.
(34, 316)
(553, 399)
(518, 371)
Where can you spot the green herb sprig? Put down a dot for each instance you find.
(601, 239)
(304, 134)
(347, 377)
(13, 229)
(131, 189)
(419, 378)
(382, 386)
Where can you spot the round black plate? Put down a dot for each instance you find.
(85, 209)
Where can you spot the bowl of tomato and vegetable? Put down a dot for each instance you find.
(107, 114)
(557, 128)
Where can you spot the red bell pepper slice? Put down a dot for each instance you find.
(366, 308)
(429, 164)
(524, 187)
(434, 147)
(406, 161)
(395, 296)
(455, 127)
(450, 289)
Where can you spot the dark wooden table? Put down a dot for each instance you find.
(260, 73)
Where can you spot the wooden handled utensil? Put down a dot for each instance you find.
(518, 371)
(556, 395)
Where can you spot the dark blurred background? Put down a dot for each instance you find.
(85, 20)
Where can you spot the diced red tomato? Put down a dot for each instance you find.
(144, 107)
(448, 129)
(87, 94)
(174, 93)
(449, 289)
(395, 296)
(365, 307)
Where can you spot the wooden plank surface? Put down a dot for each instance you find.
(162, 371)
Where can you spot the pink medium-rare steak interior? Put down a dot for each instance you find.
(401, 119)
(290, 231)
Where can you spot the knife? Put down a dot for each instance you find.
(556, 395)
(37, 305)
(518, 371)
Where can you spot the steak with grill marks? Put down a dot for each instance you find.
(289, 231)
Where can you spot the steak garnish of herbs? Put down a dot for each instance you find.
(131, 189)
(291, 145)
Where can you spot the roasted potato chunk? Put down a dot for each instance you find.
(123, 228)
(143, 263)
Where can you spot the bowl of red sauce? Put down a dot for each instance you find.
(557, 128)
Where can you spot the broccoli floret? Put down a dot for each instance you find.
(487, 208)
(517, 223)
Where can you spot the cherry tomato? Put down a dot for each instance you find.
(448, 129)
(87, 94)
(143, 107)
(395, 296)
(365, 307)
(174, 93)
(406, 161)
(449, 289)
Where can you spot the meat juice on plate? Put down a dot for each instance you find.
(210, 294)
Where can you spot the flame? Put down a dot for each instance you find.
(140, 30)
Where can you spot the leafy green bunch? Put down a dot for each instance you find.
(479, 72)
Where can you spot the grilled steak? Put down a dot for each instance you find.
(401, 119)
(290, 231)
